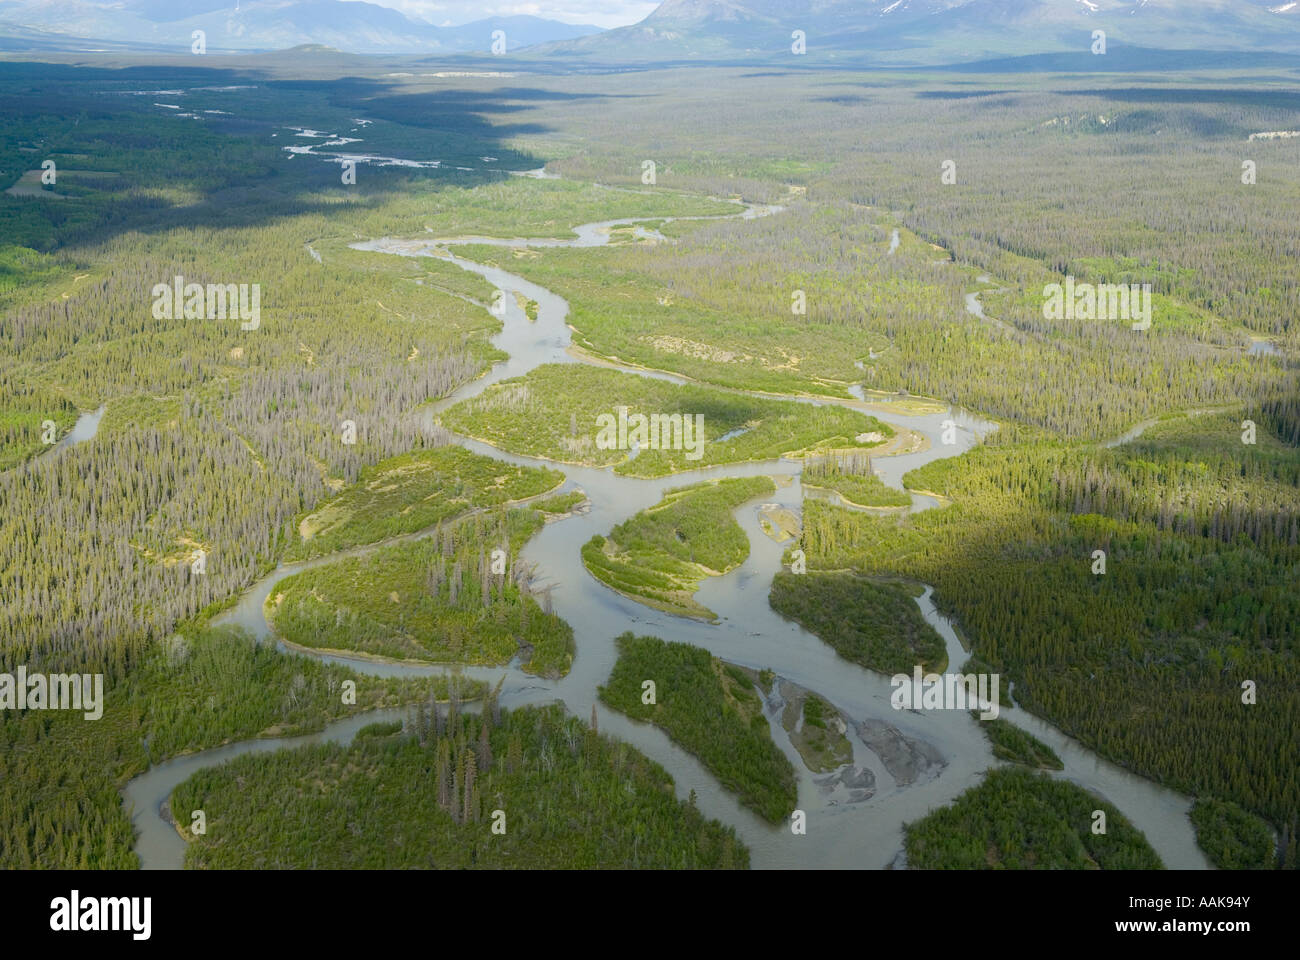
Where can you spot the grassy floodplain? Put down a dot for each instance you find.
(552, 412)
(669, 307)
(412, 492)
(717, 305)
(849, 475)
(817, 731)
(660, 556)
(561, 504)
(436, 599)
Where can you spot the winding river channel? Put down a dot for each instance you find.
(916, 761)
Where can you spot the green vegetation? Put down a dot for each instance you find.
(711, 712)
(21, 267)
(1012, 744)
(977, 666)
(553, 412)
(778, 522)
(560, 504)
(1202, 538)
(571, 799)
(24, 410)
(413, 492)
(442, 598)
(729, 320)
(660, 556)
(1232, 838)
(717, 305)
(673, 307)
(820, 738)
(60, 774)
(850, 476)
(379, 730)
(227, 439)
(874, 624)
(236, 433)
(1021, 820)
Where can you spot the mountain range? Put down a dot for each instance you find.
(892, 32)
(354, 27)
(937, 31)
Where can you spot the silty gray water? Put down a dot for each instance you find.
(863, 834)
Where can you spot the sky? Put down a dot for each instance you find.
(602, 13)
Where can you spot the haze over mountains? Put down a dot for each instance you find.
(354, 27)
(940, 31)
(885, 31)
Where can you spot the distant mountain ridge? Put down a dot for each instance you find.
(887, 32)
(354, 27)
(938, 31)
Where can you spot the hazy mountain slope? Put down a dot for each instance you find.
(935, 31)
(520, 31)
(356, 27)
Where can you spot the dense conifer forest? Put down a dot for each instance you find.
(1150, 662)
(874, 624)
(519, 789)
(711, 709)
(1020, 820)
(1141, 594)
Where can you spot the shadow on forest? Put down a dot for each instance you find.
(226, 164)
